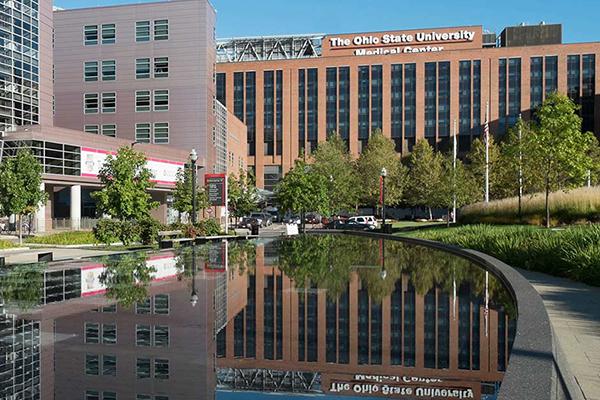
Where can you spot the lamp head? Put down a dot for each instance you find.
(193, 155)
(383, 172)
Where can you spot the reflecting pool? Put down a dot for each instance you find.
(335, 316)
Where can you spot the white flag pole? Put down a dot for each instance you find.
(487, 152)
(520, 167)
(454, 155)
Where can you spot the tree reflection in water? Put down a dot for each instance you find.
(126, 278)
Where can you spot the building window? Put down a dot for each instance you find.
(161, 67)
(279, 111)
(142, 31)
(502, 94)
(430, 100)
(551, 74)
(161, 100)
(363, 106)
(250, 108)
(90, 34)
(410, 104)
(109, 102)
(143, 335)
(238, 95)
(109, 396)
(142, 100)
(301, 111)
(221, 87)
(142, 135)
(161, 304)
(143, 368)
(161, 369)
(312, 108)
(396, 98)
(161, 133)
(536, 76)
(143, 307)
(272, 176)
(109, 33)
(91, 129)
(90, 103)
(331, 87)
(92, 364)
(476, 97)
(376, 97)
(109, 334)
(109, 130)
(161, 336)
(92, 395)
(109, 70)
(142, 68)
(92, 332)
(113, 307)
(90, 71)
(574, 77)
(588, 91)
(109, 365)
(444, 102)
(514, 91)
(161, 29)
(344, 103)
(269, 113)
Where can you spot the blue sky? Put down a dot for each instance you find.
(275, 17)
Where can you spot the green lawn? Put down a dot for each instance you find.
(572, 252)
(64, 238)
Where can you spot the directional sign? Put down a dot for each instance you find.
(216, 185)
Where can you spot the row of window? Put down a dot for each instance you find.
(157, 368)
(145, 132)
(157, 335)
(93, 363)
(96, 333)
(106, 70)
(158, 304)
(145, 101)
(144, 32)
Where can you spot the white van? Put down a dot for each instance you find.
(365, 219)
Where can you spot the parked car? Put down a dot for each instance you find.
(364, 219)
(312, 218)
(349, 225)
(247, 222)
(263, 219)
(291, 219)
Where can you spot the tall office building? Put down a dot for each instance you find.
(25, 63)
(142, 72)
(292, 91)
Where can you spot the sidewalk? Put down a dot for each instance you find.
(574, 311)
(30, 256)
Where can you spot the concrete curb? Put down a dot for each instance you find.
(536, 370)
(13, 250)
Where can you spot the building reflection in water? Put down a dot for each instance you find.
(318, 314)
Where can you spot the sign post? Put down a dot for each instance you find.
(216, 184)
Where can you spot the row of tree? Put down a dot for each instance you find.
(546, 154)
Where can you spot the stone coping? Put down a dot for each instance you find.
(536, 370)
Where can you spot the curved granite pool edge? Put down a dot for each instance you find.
(535, 370)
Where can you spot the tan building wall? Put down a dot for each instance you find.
(236, 144)
(345, 57)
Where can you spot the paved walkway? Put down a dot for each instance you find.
(30, 256)
(574, 311)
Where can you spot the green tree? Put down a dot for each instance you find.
(182, 194)
(242, 194)
(594, 174)
(20, 181)
(456, 185)
(302, 190)
(476, 164)
(380, 153)
(558, 147)
(334, 163)
(126, 181)
(127, 278)
(424, 172)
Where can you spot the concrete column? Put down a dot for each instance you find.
(76, 207)
(40, 215)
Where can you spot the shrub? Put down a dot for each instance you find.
(5, 244)
(130, 232)
(149, 230)
(108, 231)
(209, 227)
(572, 252)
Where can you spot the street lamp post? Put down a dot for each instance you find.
(383, 175)
(193, 158)
(194, 297)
